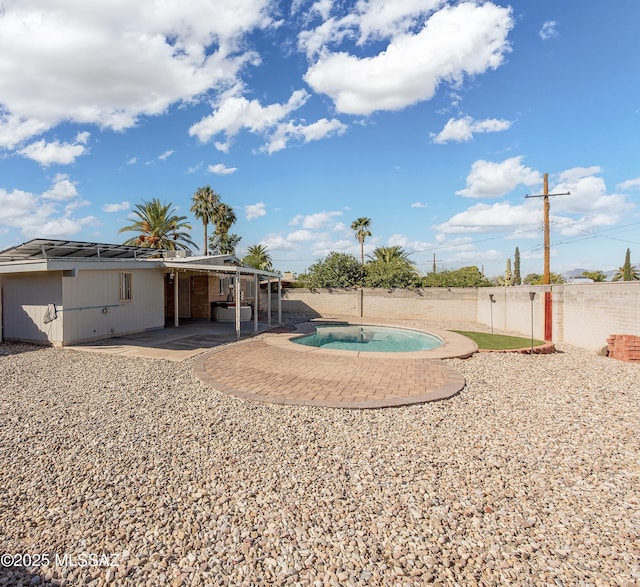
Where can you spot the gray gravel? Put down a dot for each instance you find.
(529, 476)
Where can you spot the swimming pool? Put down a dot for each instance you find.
(365, 338)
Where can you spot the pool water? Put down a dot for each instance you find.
(377, 339)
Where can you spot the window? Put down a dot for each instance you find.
(126, 290)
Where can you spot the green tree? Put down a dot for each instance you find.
(595, 275)
(627, 272)
(517, 279)
(361, 228)
(469, 276)
(205, 201)
(258, 257)
(537, 279)
(395, 273)
(335, 270)
(158, 227)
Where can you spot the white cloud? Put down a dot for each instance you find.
(236, 112)
(301, 236)
(463, 129)
(113, 61)
(196, 167)
(132, 161)
(48, 215)
(587, 207)
(62, 190)
(577, 173)
(253, 211)
(319, 220)
(312, 132)
(630, 184)
(413, 64)
(221, 169)
(56, 152)
(14, 129)
(166, 155)
(121, 207)
(501, 216)
(549, 30)
(419, 205)
(493, 180)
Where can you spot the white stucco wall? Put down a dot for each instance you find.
(93, 308)
(25, 300)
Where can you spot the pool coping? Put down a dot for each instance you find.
(455, 346)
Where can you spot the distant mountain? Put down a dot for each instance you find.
(580, 270)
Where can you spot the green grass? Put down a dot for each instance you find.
(498, 342)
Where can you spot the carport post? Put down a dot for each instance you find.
(279, 300)
(256, 288)
(237, 300)
(269, 301)
(176, 305)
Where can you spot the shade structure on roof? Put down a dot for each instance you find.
(39, 248)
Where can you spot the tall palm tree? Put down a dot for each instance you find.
(389, 254)
(205, 201)
(159, 227)
(222, 242)
(258, 257)
(223, 217)
(361, 228)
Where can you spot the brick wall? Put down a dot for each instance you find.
(624, 347)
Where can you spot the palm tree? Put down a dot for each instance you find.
(204, 202)
(222, 242)
(223, 217)
(361, 228)
(258, 257)
(389, 254)
(627, 272)
(159, 227)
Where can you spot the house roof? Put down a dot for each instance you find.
(39, 248)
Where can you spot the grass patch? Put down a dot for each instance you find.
(498, 342)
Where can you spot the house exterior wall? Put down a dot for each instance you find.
(93, 309)
(25, 300)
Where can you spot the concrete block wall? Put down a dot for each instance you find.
(583, 315)
(432, 304)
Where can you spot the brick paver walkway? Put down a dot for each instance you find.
(257, 370)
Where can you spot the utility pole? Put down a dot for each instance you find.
(546, 280)
(547, 244)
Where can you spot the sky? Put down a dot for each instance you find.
(432, 118)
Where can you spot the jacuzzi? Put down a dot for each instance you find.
(228, 313)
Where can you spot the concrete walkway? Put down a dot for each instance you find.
(173, 344)
(273, 369)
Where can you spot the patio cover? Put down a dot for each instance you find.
(187, 264)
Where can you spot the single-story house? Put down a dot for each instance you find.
(64, 292)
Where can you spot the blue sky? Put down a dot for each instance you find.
(432, 118)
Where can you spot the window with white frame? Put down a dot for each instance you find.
(126, 287)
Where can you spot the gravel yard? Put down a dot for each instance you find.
(139, 474)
